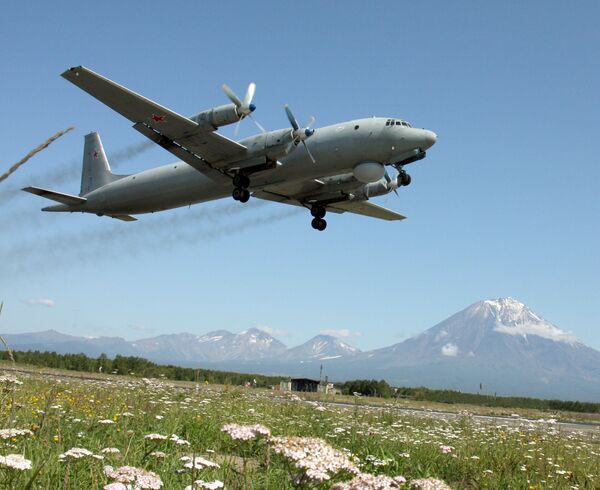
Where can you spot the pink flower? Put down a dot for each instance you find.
(446, 449)
(366, 481)
(141, 479)
(430, 484)
(245, 432)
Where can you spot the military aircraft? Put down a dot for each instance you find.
(336, 168)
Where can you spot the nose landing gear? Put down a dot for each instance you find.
(241, 183)
(318, 213)
(404, 179)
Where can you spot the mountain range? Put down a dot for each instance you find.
(493, 346)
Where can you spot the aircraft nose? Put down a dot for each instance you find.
(429, 138)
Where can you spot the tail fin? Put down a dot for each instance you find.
(96, 170)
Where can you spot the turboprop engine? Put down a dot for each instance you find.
(217, 116)
(368, 172)
(228, 114)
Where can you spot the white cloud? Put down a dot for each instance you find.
(275, 332)
(49, 303)
(441, 334)
(450, 350)
(343, 332)
(543, 329)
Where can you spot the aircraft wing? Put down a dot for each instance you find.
(299, 194)
(367, 208)
(174, 132)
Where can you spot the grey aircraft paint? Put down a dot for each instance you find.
(275, 165)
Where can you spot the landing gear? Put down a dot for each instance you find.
(240, 191)
(240, 194)
(241, 180)
(404, 179)
(318, 213)
(318, 224)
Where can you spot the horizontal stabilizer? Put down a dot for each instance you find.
(67, 199)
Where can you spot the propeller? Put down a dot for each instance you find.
(389, 183)
(301, 134)
(244, 108)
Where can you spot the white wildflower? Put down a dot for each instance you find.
(155, 437)
(9, 433)
(315, 457)
(110, 450)
(198, 463)
(16, 462)
(209, 485)
(75, 453)
(10, 380)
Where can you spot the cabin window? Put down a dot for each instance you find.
(356, 127)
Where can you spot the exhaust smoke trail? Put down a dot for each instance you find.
(133, 239)
(72, 170)
(44, 145)
(56, 177)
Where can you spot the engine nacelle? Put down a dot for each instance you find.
(217, 116)
(368, 172)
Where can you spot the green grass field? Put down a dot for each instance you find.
(105, 416)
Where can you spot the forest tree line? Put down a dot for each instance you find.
(140, 367)
(384, 390)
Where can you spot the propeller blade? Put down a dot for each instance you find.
(310, 122)
(249, 94)
(237, 127)
(308, 151)
(231, 95)
(388, 181)
(291, 118)
(258, 125)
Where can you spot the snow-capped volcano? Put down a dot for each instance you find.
(514, 318)
(501, 344)
(321, 347)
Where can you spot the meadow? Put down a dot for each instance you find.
(118, 433)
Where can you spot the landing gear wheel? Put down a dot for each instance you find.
(245, 195)
(404, 179)
(240, 180)
(318, 224)
(318, 211)
(237, 193)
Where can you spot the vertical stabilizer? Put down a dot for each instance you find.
(96, 170)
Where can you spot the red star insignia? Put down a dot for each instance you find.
(94, 154)
(158, 118)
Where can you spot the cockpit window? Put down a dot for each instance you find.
(394, 122)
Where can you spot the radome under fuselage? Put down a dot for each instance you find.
(336, 148)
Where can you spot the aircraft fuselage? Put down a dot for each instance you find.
(337, 149)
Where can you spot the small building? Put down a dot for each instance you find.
(307, 385)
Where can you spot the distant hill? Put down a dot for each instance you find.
(500, 345)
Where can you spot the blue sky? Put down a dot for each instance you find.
(505, 204)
